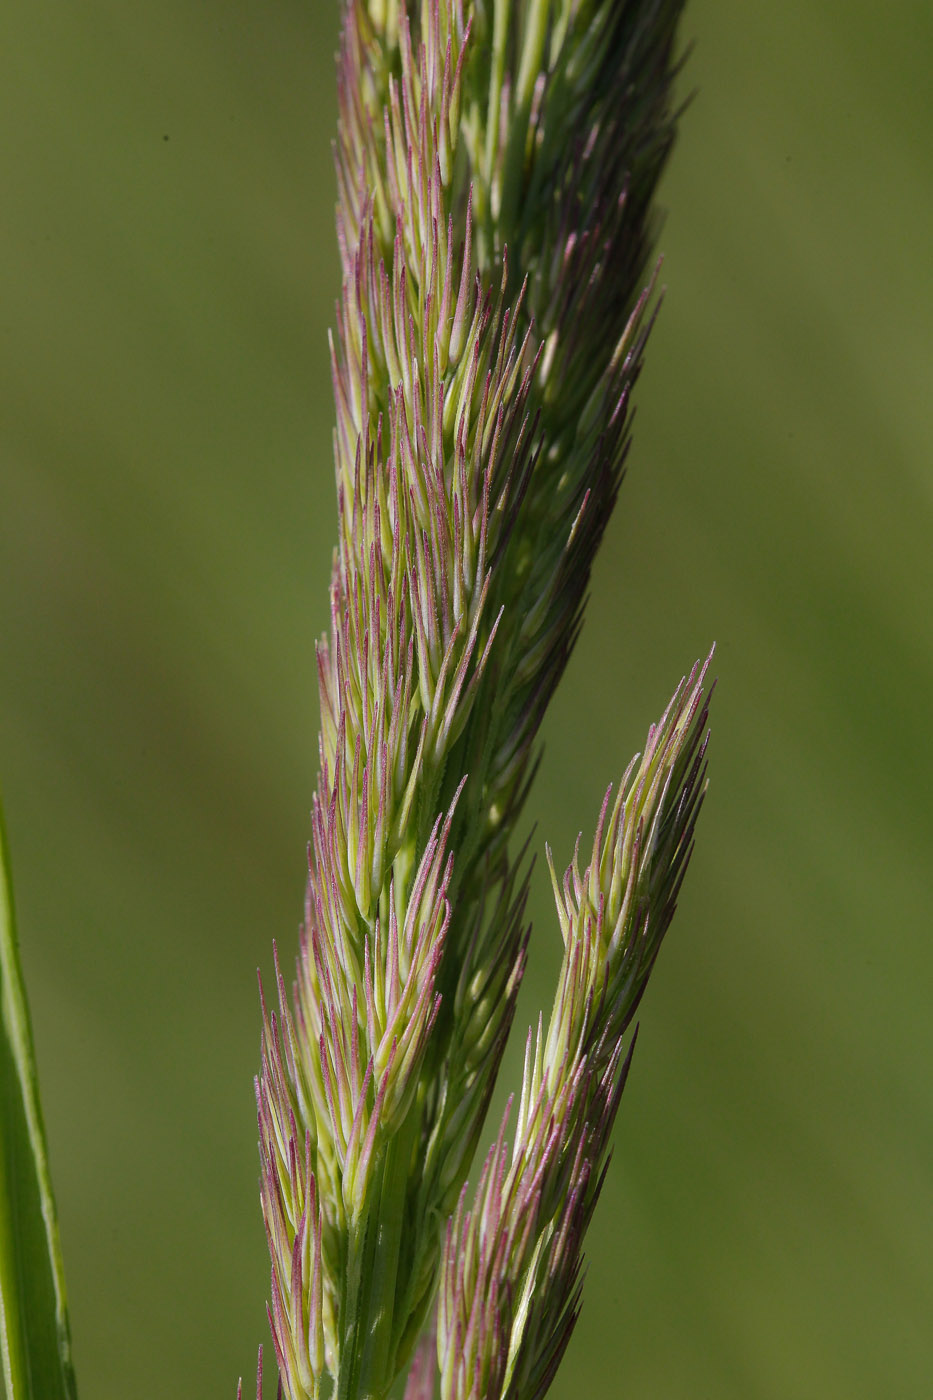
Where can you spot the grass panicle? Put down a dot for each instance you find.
(496, 169)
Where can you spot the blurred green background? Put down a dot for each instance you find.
(166, 516)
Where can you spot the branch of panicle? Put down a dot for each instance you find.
(511, 1275)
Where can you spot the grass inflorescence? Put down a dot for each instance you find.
(496, 164)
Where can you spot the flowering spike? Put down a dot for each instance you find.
(496, 167)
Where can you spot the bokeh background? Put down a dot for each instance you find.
(167, 275)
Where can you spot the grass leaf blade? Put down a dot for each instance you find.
(35, 1346)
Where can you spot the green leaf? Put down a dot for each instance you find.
(35, 1347)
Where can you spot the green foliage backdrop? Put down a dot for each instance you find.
(166, 517)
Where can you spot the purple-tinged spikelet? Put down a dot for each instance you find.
(496, 166)
(239, 1389)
